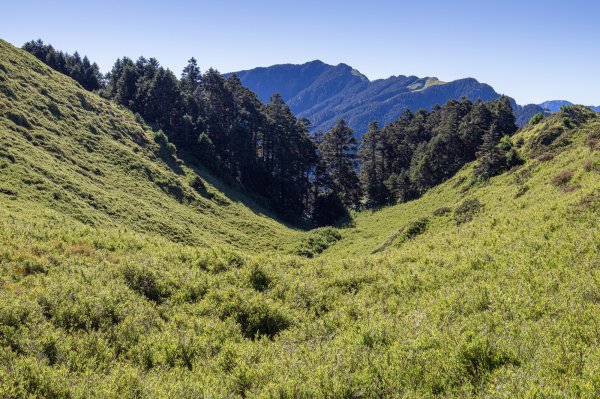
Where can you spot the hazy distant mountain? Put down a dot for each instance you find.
(324, 93)
(554, 105)
(524, 113)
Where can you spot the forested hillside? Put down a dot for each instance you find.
(128, 269)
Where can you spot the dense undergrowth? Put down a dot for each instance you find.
(120, 277)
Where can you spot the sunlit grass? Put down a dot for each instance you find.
(118, 279)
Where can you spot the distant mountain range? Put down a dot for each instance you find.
(554, 105)
(324, 93)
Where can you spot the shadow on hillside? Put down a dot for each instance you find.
(236, 194)
(171, 162)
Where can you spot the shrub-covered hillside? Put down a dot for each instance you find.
(123, 276)
(89, 159)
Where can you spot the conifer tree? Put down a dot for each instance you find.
(504, 116)
(191, 78)
(490, 159)
(339, 152)
(371, 173)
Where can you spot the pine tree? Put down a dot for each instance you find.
(504, 116)
(490, 158)
(217, 103)
(125, 85)
(472, 129)
(191, 92)
(191, 78)
(339, 152)
(371, 173)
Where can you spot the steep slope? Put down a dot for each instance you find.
(64, 148)
(324, 93)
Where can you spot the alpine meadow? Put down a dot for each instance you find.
(170, 235)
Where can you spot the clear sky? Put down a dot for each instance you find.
(529, 49)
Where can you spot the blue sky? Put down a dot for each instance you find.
(531, 50)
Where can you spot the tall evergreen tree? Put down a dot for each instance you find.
(504, 116)
(217, 103)
(371, 173)
(191, 96)
(191, 77)
(490, 159)
(339, 152)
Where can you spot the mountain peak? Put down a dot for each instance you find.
(324, 93)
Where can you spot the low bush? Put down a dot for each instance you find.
(545, 156)
(415, 228)
(259, 278)
(466, 211)
(480, 357)
(442, 211)
(145, 282)
(537, 118)
(317, 241)
(256, 315)
(562, 178)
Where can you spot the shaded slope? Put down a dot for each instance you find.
(70, 150)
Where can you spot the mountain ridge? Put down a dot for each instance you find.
(323, 93)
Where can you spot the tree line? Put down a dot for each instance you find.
(221, 124)
(80, 69)
(422, 149)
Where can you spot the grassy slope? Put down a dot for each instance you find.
(89, 159)
(505, 305)
(506, 213)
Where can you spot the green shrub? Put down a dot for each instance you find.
(255, 315)
(166, 148)
(562, 178)
(145, 282)
(466, 211)
(479, 357)
(259, 279)
(537, 118)
(317, 241)
(442, 211)
(415, 228)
